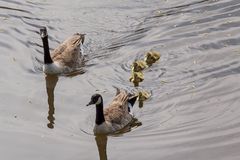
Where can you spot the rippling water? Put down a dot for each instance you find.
(194, 109)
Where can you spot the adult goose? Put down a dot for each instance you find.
(116, 116)
(66, 58)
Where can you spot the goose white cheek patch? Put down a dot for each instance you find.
(99, 100)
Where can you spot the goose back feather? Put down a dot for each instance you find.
(69, 53)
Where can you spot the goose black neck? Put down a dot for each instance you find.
(47, 57)
(99, 114)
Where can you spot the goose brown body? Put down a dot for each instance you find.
(117, 111)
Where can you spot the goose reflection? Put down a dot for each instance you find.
(101, 139)
(51, 81)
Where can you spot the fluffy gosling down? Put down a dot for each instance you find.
(138, 66)
(136, 78)
(151, 57)
(66, 57)
(116, 116)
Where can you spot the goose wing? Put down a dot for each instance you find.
(117, 111)
(68, 52)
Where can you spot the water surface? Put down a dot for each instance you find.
(194, 109)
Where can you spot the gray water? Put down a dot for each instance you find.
(193, 113)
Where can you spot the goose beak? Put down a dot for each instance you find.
(90, 103)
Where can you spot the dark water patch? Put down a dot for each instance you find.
(128, 40)
(211, 72)
(211, 19)
(228, 26)
(28, 23)
(220, 44)
(15, 9)
(39, 5)
(190, 4)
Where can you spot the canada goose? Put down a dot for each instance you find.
(66, 58)
(116, 116)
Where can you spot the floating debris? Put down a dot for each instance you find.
(193, 21)
(160, 13)
(163, 81)
(151, 57)
(136, 78)
(138, 66)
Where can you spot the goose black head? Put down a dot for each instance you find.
(82, 37)
(95, 99)
(43, 32)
